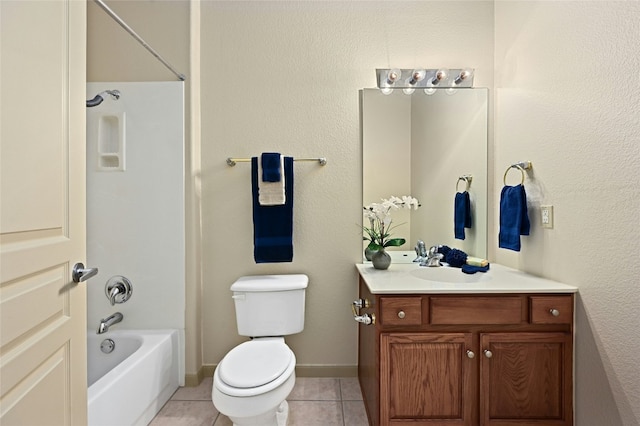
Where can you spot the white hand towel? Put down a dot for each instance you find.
(271, 193)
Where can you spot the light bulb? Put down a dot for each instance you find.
(440, 75)
(429, 91)
(393, 75)
(416, 76)
(464, 75)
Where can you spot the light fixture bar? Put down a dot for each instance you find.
(433, 78)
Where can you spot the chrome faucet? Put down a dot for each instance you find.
(433, 257)
(107, 322)
(421, 251)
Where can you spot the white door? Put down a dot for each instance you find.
(42, 217)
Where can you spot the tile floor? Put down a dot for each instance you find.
(313, 401)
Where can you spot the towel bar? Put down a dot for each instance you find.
(522, 166)
(232, 161)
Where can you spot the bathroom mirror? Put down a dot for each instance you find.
(420, 144)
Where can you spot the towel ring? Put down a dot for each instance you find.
(467, 179)
(513, 166)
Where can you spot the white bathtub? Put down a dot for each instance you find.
(131, 384)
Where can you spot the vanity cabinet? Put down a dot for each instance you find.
(462, 359)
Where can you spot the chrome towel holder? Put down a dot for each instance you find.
(522, 166)
(465, 178)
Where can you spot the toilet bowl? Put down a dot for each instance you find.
(252, 382)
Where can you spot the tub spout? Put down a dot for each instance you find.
(108, 322)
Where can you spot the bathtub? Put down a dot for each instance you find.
(131, 384)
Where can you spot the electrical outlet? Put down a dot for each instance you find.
(546, 214)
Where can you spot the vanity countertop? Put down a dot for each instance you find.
(410, 278)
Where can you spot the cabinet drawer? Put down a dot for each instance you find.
(551, 309)
(401, 310)
(478, 310)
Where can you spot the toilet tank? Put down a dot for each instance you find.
(270, 305)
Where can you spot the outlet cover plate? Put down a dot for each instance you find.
(546, 216)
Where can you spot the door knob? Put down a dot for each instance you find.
(488, 353)
(80, 273)
(470, 353)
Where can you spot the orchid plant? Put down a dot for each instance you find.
(381, 225)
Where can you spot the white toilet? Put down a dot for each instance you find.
(253, 380)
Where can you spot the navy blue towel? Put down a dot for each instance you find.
(273, 225)
(470, 269)
(461, 214)
(270, 162)
(514, 220)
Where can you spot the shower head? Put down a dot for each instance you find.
(97, 99)
(115, 94)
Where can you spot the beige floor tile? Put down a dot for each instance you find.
(186, 413)
(201, 392)
(315, 389)
(313, 401)
(315, 413)
(354, 413)
(223, 421)
(350, 389)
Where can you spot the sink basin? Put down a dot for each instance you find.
(449, 275)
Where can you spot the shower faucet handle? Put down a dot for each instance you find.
(118, 289)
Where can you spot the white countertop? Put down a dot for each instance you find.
(401, 278)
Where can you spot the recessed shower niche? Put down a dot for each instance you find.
(111, 141)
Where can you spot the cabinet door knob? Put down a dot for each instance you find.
(401, 315)
(554, 312)
(488, 353)
(470, 353)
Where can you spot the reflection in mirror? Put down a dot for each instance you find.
(420, 145)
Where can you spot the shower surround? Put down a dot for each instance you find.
(135, 204)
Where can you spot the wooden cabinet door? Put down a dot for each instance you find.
(428, 379)
(526, 379)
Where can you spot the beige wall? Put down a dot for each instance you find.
(285, 77)
(567, 95)
(566, 98)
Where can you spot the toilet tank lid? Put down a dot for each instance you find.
(259, 283)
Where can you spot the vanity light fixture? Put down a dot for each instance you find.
(427, 79)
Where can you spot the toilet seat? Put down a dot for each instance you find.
(255, 367)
